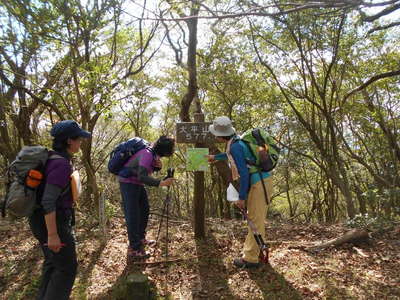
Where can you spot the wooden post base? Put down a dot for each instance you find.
(138, 287)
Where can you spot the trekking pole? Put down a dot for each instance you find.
(264, 250)
(161, 220)
(166, 246)
(168, 200)
(170, 174)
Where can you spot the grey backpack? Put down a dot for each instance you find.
(20, 199)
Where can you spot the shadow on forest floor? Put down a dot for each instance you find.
(202, 269)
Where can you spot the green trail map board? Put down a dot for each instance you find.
(195, 160)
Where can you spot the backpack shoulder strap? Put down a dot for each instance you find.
(148, 147)
(257, 136)
(55, 156)
(236, 138)
(252, 156)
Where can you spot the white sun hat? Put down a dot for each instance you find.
(222, 126)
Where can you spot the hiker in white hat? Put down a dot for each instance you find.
(251, 186)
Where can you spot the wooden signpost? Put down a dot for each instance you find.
(193, 132)
(196, 133)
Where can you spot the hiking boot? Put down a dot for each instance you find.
(149, 243)
(137, 254)
(241, 263)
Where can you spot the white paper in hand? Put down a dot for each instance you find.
(76, 186)
(232, 194)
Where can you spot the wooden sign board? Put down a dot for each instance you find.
(191, 132)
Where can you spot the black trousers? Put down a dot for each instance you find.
(136, 211)
(59, 269)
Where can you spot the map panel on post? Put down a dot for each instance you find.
(196, 159)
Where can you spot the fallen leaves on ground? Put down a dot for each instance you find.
(203, 269)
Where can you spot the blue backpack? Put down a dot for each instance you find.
(121, 154)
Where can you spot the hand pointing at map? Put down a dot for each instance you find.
(210, 158)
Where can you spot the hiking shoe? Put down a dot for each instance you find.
(241, 263)
(148, 242)
(137, 254)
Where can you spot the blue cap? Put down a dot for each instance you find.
(68, 129)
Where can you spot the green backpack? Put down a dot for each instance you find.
(263, 148)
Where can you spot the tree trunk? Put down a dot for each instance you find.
(6, 147)
(354, 236)
(287, 175)
(92, 192)
(191, 93)
(345, 189)
(361, 201)
(198, 200)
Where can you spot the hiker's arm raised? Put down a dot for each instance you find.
(221, 156)
(167, 182)
(214, 158)
(151, 181)
(144, 177)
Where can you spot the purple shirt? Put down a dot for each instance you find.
(58, 172)
(143, 158)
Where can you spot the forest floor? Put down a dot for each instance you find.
(203, 269)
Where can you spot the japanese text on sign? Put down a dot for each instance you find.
(188, 132)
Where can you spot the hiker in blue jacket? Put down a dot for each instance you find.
(51, 223)
(251, 192)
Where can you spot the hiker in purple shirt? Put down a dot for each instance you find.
(134, 195)
(51, 223)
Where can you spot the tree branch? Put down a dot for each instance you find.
(260, 11)
(382, 13)
(370, 81)
(384, 27)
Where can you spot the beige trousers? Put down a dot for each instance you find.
(256, 212)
